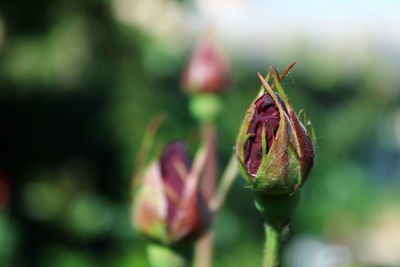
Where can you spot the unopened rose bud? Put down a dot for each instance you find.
(274, 149)
(207, 70)
(169, 206)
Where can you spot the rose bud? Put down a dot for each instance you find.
(169, 206)
(274, 149)
(207, 71)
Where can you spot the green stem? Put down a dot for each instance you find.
(164, 256)
(278, 211)
(205, 107)
(272, 250)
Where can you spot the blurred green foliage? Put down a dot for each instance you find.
(78, 89)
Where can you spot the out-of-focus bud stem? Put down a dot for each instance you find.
(205, 107)
(204, 246)
(226, 182)
(167, 256)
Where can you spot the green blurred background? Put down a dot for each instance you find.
(81, 80)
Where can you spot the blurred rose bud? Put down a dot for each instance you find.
(169, 206)
(207, 71)
(5, 190)
(274, 148)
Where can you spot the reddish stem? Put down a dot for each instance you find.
(210, 172)
(204, 247)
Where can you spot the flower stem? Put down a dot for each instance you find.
(225, 184)
(164, 256)
(272, 250)
(204, 250)
(209, 136)
(205, 245)
(277, 211)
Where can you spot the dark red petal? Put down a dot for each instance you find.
(175, 154)
(266, 115)
(306, 146)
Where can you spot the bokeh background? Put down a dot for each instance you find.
(80, 81)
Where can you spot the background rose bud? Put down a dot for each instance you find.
(274, 149)
(5, 190)
(169, 206)
(207, 70)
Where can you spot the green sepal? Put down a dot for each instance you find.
(247, 177)
(281, 91)
(291, 112)
(243, 136)
(308, 126)
(149, 206)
